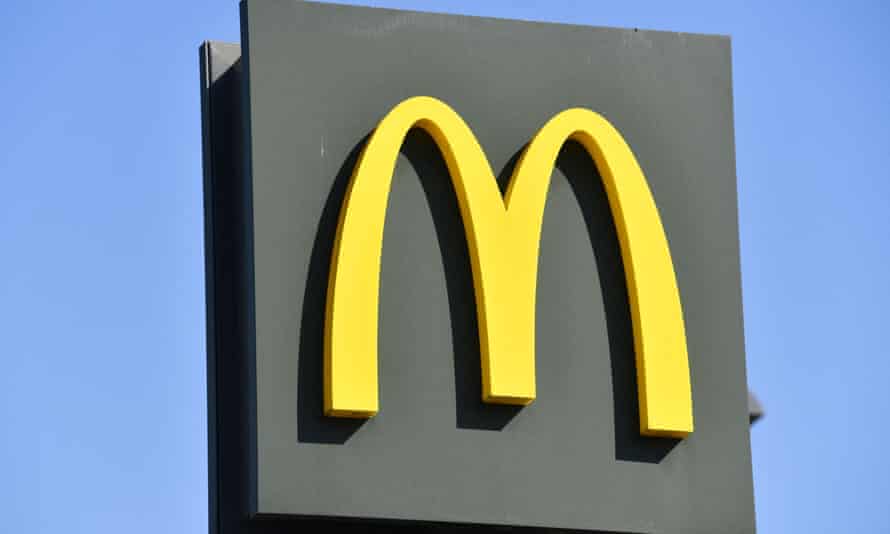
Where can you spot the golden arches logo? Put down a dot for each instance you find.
(503, 234)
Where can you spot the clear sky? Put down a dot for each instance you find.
(102, 389)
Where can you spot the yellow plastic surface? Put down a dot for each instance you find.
(503, 234)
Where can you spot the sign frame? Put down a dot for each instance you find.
(235, 387)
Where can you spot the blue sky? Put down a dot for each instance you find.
(102, 390)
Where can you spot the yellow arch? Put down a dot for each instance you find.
(503, 234)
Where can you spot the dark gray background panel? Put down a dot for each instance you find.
(319, 77)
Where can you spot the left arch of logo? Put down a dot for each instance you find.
(503, 234)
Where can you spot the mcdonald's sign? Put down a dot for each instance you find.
(471, 272)
(503, 236)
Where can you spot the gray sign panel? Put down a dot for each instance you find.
(314, 81)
